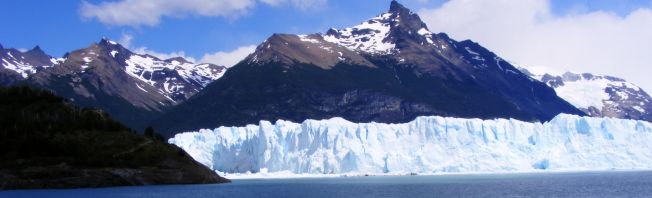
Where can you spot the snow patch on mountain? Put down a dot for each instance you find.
(425, 145)
(306, 38)
(15, 60)
(585, 93)
(143, 67)
(20, 67)
(368, 36)
(88, 59)
(424, 32)
(206, 73)
(597, 95)
(138, 66)
(56, 61)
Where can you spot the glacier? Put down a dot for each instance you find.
(426, 145)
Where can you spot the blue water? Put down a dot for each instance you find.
(585, 184)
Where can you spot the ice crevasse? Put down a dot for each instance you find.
(426, 145)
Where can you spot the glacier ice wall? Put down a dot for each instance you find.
(425, 145)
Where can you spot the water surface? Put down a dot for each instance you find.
(585, 184)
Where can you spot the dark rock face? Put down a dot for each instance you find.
(388, 69)
(47, 143)
(9, 77)
(38, 57)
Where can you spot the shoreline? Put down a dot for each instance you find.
(283, 175)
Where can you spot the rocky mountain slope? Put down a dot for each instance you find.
(16, 65)
(599, 95)
(46, 142)
(390, 68)
(133, 88)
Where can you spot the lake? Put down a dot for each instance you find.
(580, 184)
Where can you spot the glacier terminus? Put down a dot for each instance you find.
(426, 145)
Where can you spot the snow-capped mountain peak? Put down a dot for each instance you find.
(129, 86)
(106, 40)
(26, 63)
(378, 35)
(176, 78)
(370, 36)
(398, 32)
(388, 69)
(404, 18)
(598, 95)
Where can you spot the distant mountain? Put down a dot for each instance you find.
(16, 65)
(599, 95)
(133, 88)
(390, 68)
(48, 143)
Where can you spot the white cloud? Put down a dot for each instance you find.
(527, 33)
(126, 41)
(224, 58)
(229, 58)
(150, 12)
(163, 56)
(301, 4)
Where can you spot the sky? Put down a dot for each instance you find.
(600, 36)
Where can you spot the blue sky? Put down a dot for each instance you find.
(599, 36)
(58, 27)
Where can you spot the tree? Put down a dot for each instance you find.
(150, 133)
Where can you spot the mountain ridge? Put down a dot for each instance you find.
(17, 65)
(599, 95)
(132, 87)
(390, 68)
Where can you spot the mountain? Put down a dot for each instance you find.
(425, 145)
(132, 88)
(46, 142)
(390, 68)
(16, 65)
(599, 95)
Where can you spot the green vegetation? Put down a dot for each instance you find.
(150, 133)
(44, 140)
